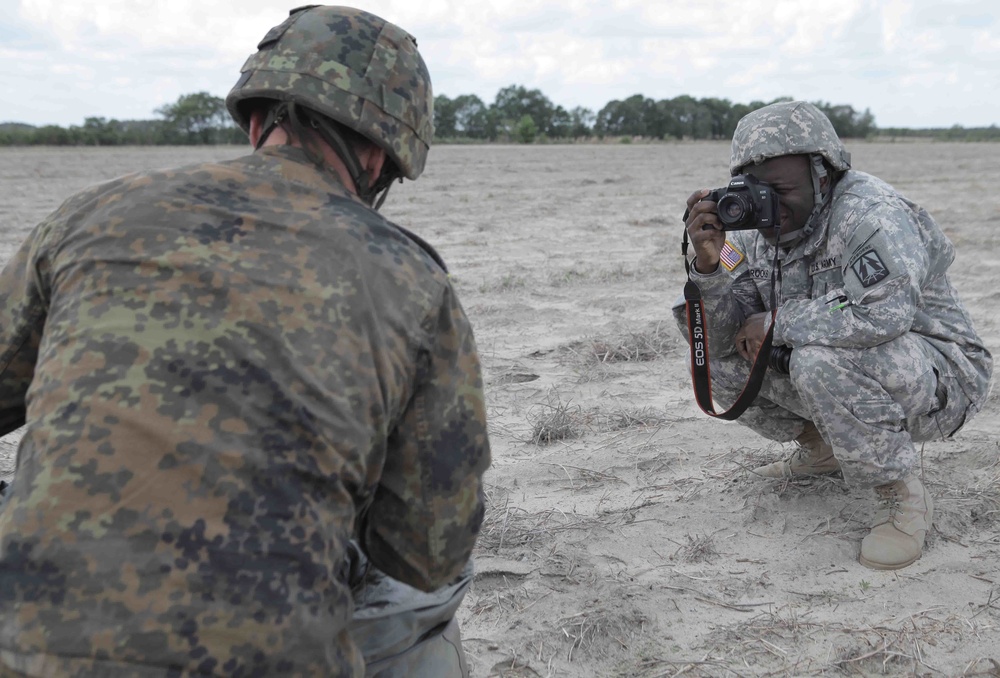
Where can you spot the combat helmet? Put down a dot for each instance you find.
(786, 128)
(354, 68)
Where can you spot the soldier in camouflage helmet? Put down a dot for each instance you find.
(882, 352)
(250, 402)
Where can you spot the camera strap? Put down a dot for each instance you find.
(698, 340)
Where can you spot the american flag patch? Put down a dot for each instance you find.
(730, 257)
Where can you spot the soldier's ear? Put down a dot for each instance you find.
(373, 160)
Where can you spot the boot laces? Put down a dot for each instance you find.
(803, 455)
(806, 457)
(888, 500)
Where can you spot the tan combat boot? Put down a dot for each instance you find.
(813, 457)
(904, 514)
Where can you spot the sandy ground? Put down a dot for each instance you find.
(623, 535)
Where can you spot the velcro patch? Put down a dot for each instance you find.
(869, 268)
(730, 257)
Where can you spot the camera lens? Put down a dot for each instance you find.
(780, 359)
(734, 210)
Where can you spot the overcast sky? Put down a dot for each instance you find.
(914, 63)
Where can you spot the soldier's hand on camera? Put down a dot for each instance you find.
(751, 335)
(705, 231)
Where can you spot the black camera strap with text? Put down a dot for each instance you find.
(698, 339)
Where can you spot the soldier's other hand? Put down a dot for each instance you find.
(705, 231)
(752, 334)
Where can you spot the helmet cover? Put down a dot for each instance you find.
(351, 66)
(786, 128)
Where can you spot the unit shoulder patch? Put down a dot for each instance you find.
(869, 268)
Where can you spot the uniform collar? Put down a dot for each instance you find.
(817, 239)
(292, 164)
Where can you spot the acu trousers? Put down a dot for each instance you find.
(870, 404)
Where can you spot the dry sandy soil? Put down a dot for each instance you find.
(624, 536)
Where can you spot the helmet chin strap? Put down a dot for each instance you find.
(367, 190)
(818, 172)
(303, 118)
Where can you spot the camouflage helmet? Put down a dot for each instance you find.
(787, 128)
(351, 66)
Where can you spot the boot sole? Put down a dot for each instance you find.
(795, 476)
(882, 566)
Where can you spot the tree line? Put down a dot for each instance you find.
(526, 115)
(193, 119)
(517, 114)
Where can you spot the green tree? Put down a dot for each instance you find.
(444, 117)
(98, 132)
(625, 118)
(687, 118)
(516, 101)
(198, 118)
(581, 122)
(560, 124)
(721, 122)
(50, 135)
(848, 122)
(525, 130)
(202, 118)
(471, 117)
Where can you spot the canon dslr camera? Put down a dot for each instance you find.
(746, 203)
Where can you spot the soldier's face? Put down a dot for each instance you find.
(790, 178)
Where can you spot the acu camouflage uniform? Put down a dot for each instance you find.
(885, 353)
(226, 372)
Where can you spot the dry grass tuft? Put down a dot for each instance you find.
(962, 512)
(508, 282)
(511, 527)
(699, 549)
(513, 668)
(982, 501)
(781, 640)
(582, 479)
(736, 464)
(737, 467)
(657, 221)
(497, 604)
(642, 346)
(617, 273)
(568, 277)
(628, 418)
(556, 420)
(506, 526)
(600, 632)
(575, 275)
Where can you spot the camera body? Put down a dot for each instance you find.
(746, 203)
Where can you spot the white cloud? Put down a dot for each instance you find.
(894, 16)
(908, 61)
(225, 27)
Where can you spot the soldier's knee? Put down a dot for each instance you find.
(808, 363)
